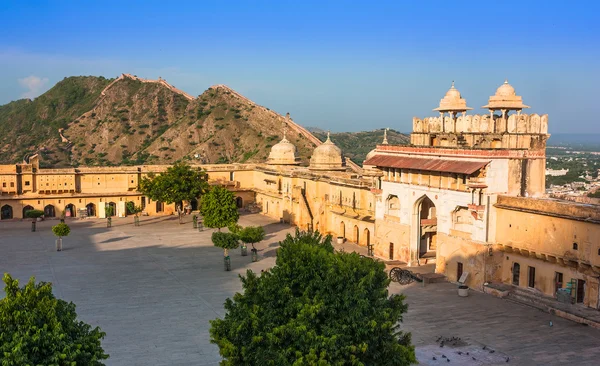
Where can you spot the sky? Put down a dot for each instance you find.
(337, 65)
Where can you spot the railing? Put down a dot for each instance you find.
(305, 200)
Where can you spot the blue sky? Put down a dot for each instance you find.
(344, 66)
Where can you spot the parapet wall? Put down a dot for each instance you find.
(551, 207)
(518, 124)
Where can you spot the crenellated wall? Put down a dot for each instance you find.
(523, 123)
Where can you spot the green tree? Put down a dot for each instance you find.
(109, 210)
(252, 235)
(178, 183)
(218, 208)
(38, 329)
(34, 214)
(61, 230)
(314, 307)
(225, 241)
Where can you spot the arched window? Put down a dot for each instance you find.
(516, 273)
(462, 219)
(6, 212)
(49, 211)
(393, 205)
(25, 209)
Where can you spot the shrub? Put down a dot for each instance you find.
(34, 214)
(61, 230)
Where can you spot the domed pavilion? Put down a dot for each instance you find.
(327, 156)
(284, 152)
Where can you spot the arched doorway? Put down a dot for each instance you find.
(267, 209)
(356, 234)
(426, 244)
(112, 209)
(6, 212)
(391, 251)
(91, 209)
(194, 204)
(516, 273)
(239, 202)
(342, 231)
(49, 211)
(367, 237)
(70, 210)
(25, 209)
(160, 206)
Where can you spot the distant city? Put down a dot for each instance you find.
(573, 167)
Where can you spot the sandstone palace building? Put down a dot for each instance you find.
(466, 194)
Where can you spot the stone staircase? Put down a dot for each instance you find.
(536, 299)
(532, 298)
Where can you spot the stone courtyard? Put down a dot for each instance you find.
(154, 288)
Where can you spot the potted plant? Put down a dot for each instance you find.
(195, 221)
(135, 210)
(237, 230)
(60, 230)
(226, 241)
(110, 211)
(463, 290)
(340, 240)
(62, 216)
(35, 215)
(252, 235)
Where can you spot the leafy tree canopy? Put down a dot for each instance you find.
(218, 208)
(61, 230)
(179, 183)
(38, 329)
(34, 214)
(224, 240)
(315, 307)
(252, 234)
(132, 209)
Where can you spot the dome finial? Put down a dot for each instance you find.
(505, 81)
(385, 141)
(328, 136)
(452, 87)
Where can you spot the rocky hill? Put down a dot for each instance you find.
(28, 127)
(135, 121)
(129, 121)
(356, 145)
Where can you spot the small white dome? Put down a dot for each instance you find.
(284, 153)
(505, 90)
(327, 156)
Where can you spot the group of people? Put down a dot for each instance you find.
(181, 211)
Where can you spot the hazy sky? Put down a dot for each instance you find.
(344, 66)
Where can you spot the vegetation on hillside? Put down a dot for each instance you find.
(135, 122)
(28, 127)
(356, 145)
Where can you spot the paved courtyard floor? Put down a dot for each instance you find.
(154, 288)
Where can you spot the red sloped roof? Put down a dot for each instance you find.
(435, 165)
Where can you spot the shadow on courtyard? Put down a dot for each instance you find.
(158, 284)
(153, 289)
